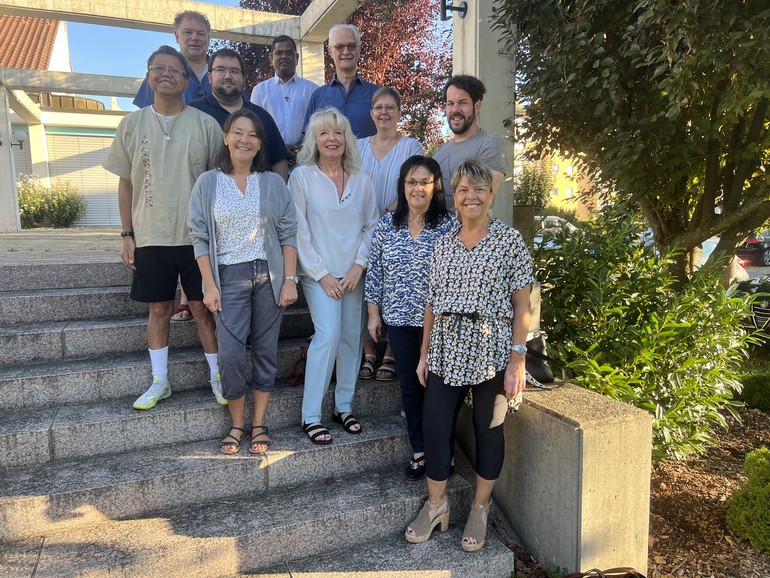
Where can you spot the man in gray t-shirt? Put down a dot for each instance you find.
(462, 103)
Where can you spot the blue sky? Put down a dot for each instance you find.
(118, 51)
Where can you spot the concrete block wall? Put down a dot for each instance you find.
(575, 485)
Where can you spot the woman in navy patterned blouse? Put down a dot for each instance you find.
(397, 282)
(476, 323)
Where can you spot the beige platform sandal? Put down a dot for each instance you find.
(429, 517)
(475, 532)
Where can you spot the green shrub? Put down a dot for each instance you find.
(60, 206)
(612, 314)
(749, 512)
(756, 391)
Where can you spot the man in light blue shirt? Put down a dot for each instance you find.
(285, 96)
(192, 31)
(347, 91)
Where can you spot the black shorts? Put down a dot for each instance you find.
(157, 269)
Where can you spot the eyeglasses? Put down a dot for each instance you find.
(389, 108)
(411, 183)
(223, 71)
(161, 68)
(341, 47)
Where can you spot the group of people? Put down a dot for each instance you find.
(384, 241)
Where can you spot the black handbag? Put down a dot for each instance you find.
(539, 374)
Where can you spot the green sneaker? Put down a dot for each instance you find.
(157, 391)
(216, 387)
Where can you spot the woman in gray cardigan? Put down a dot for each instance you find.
(243, 229)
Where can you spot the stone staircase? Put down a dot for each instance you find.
(91, 487)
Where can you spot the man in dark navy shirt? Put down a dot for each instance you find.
(347, 91)
(226, 78)
(193, 33)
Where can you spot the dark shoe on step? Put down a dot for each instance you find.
(348, 422)
(416, 469)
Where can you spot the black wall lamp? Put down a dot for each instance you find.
(18, 138)
(447, 6)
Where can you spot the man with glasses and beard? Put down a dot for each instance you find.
(193, 34)
(226, 78)
(347, 91)
(462, 104)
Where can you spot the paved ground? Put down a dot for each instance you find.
(87, 244)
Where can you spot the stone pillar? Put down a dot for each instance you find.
(9, 202)
(311, 61)
(477, 52)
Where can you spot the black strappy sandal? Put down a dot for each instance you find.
(315, 431)
(348, 422)
(255, 442)
(236, 441)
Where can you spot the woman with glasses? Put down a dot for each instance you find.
(397, 283)
(382, 156)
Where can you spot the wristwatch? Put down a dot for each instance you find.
(291, 278)
(520, 349)
(127, 234)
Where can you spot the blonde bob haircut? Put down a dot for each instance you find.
(329, 118)
(475, 170)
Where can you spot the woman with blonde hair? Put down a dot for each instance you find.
(336, 215)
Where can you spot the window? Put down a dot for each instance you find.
(568, 192)
(554, 192)
(555, 169)
(569, 169)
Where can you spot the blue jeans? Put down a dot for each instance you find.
(405, 343)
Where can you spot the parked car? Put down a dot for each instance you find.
(760, 308)
(755, 249)
(739, 271)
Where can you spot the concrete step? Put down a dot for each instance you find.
(77, 493)
(30, 277)
(78, 339)
(108, 377)
(239, 534)
(41, 306)
(110, 427)
(394, 557)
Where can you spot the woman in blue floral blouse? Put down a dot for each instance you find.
(397, 282)
(476, 323)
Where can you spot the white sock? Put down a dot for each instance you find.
(159, 361)
(211, 358)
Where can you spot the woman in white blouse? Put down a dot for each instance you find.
(336, 215)
(382, 156)
(243, 229)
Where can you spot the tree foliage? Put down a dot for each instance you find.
(403, 44)
(532, 185)
(667, 101)
(612, 313)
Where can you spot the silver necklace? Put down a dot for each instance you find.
(160, 124)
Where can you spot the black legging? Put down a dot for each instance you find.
(442, 406)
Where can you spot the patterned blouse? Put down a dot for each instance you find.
(397, 278)
(236, 214)
(470, 296)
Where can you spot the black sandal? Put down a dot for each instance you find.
(254, 442)
(315, 431)
(225, 443)
(348, 422)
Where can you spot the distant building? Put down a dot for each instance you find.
(68, 136)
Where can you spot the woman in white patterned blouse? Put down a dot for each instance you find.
(243, 229)
(475, 331)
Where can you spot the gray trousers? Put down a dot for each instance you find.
(248, 308)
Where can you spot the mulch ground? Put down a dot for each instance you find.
(689, 536)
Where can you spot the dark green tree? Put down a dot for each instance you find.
(666, 101)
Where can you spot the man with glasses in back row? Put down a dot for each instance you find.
(158, 153)
(286, 95)
(347, 91)
(227, 81)
(192, 31)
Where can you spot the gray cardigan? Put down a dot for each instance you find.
(278, 220)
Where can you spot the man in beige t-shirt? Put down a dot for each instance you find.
(158, 153)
